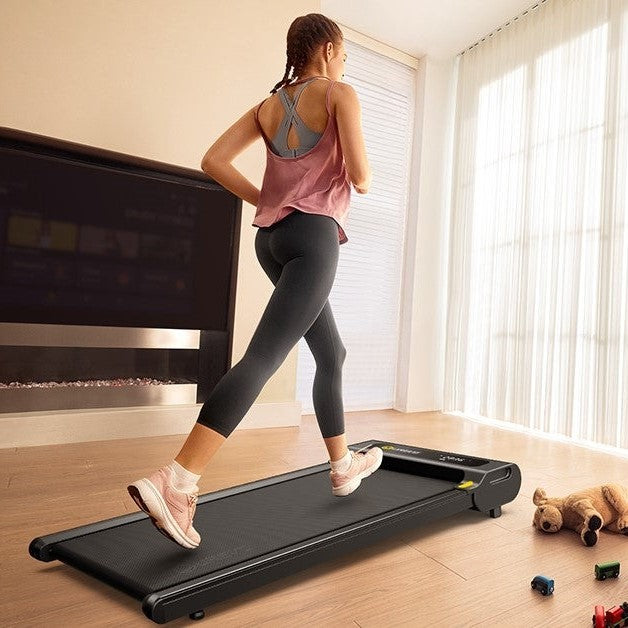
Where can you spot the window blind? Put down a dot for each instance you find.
(366, 295)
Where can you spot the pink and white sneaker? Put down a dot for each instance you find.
(170, 509)
(362, 465)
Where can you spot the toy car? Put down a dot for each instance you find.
(543, 584)
(606, 570)
(615, 616)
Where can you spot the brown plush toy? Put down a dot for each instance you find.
(585, 512)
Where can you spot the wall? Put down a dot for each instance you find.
(423, 314)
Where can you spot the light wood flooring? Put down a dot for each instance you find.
(468, 570)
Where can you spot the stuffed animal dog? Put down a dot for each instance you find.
(585, 511)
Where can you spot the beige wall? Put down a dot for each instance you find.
(158, 79)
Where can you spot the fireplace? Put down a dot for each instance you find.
(117, 278)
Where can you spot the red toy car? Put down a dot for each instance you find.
(615, 615)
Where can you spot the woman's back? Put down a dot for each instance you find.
(309, 122)
(312, 118)
(314, 181)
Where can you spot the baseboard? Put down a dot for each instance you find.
(30, 429)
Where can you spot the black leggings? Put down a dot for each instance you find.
(300, 255)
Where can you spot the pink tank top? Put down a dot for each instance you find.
(315, 182)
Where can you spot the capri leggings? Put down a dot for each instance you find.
(300, 255)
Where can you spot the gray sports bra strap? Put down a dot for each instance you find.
(306, 136)
(290, 106)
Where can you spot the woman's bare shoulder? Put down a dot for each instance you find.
(344, 94)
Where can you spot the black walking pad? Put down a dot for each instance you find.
(254, 533)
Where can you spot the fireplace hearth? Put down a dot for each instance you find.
(128, 381)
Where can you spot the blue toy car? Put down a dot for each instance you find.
(543, 584)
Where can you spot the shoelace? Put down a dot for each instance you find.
(192, 499)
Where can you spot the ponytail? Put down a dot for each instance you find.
(287, 78)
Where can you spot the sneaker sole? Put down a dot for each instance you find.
(349, 487)
(149, 499)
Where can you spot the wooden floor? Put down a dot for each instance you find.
(469, 570)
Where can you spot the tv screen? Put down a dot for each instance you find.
(85, 243)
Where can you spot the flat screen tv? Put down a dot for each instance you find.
(93, 237)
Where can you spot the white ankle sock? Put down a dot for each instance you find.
(184, 480)
(342, 464)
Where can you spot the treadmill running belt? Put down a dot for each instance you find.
(243, 526)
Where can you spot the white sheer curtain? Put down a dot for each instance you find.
(537, 322)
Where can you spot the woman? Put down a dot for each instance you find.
(300, 215)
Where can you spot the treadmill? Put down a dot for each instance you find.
(260, 531)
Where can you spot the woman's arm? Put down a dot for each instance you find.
(233, 180)
(349, 118)
(217, 160)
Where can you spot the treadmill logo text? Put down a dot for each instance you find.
(409, 451)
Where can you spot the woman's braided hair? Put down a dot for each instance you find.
(305, 35)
